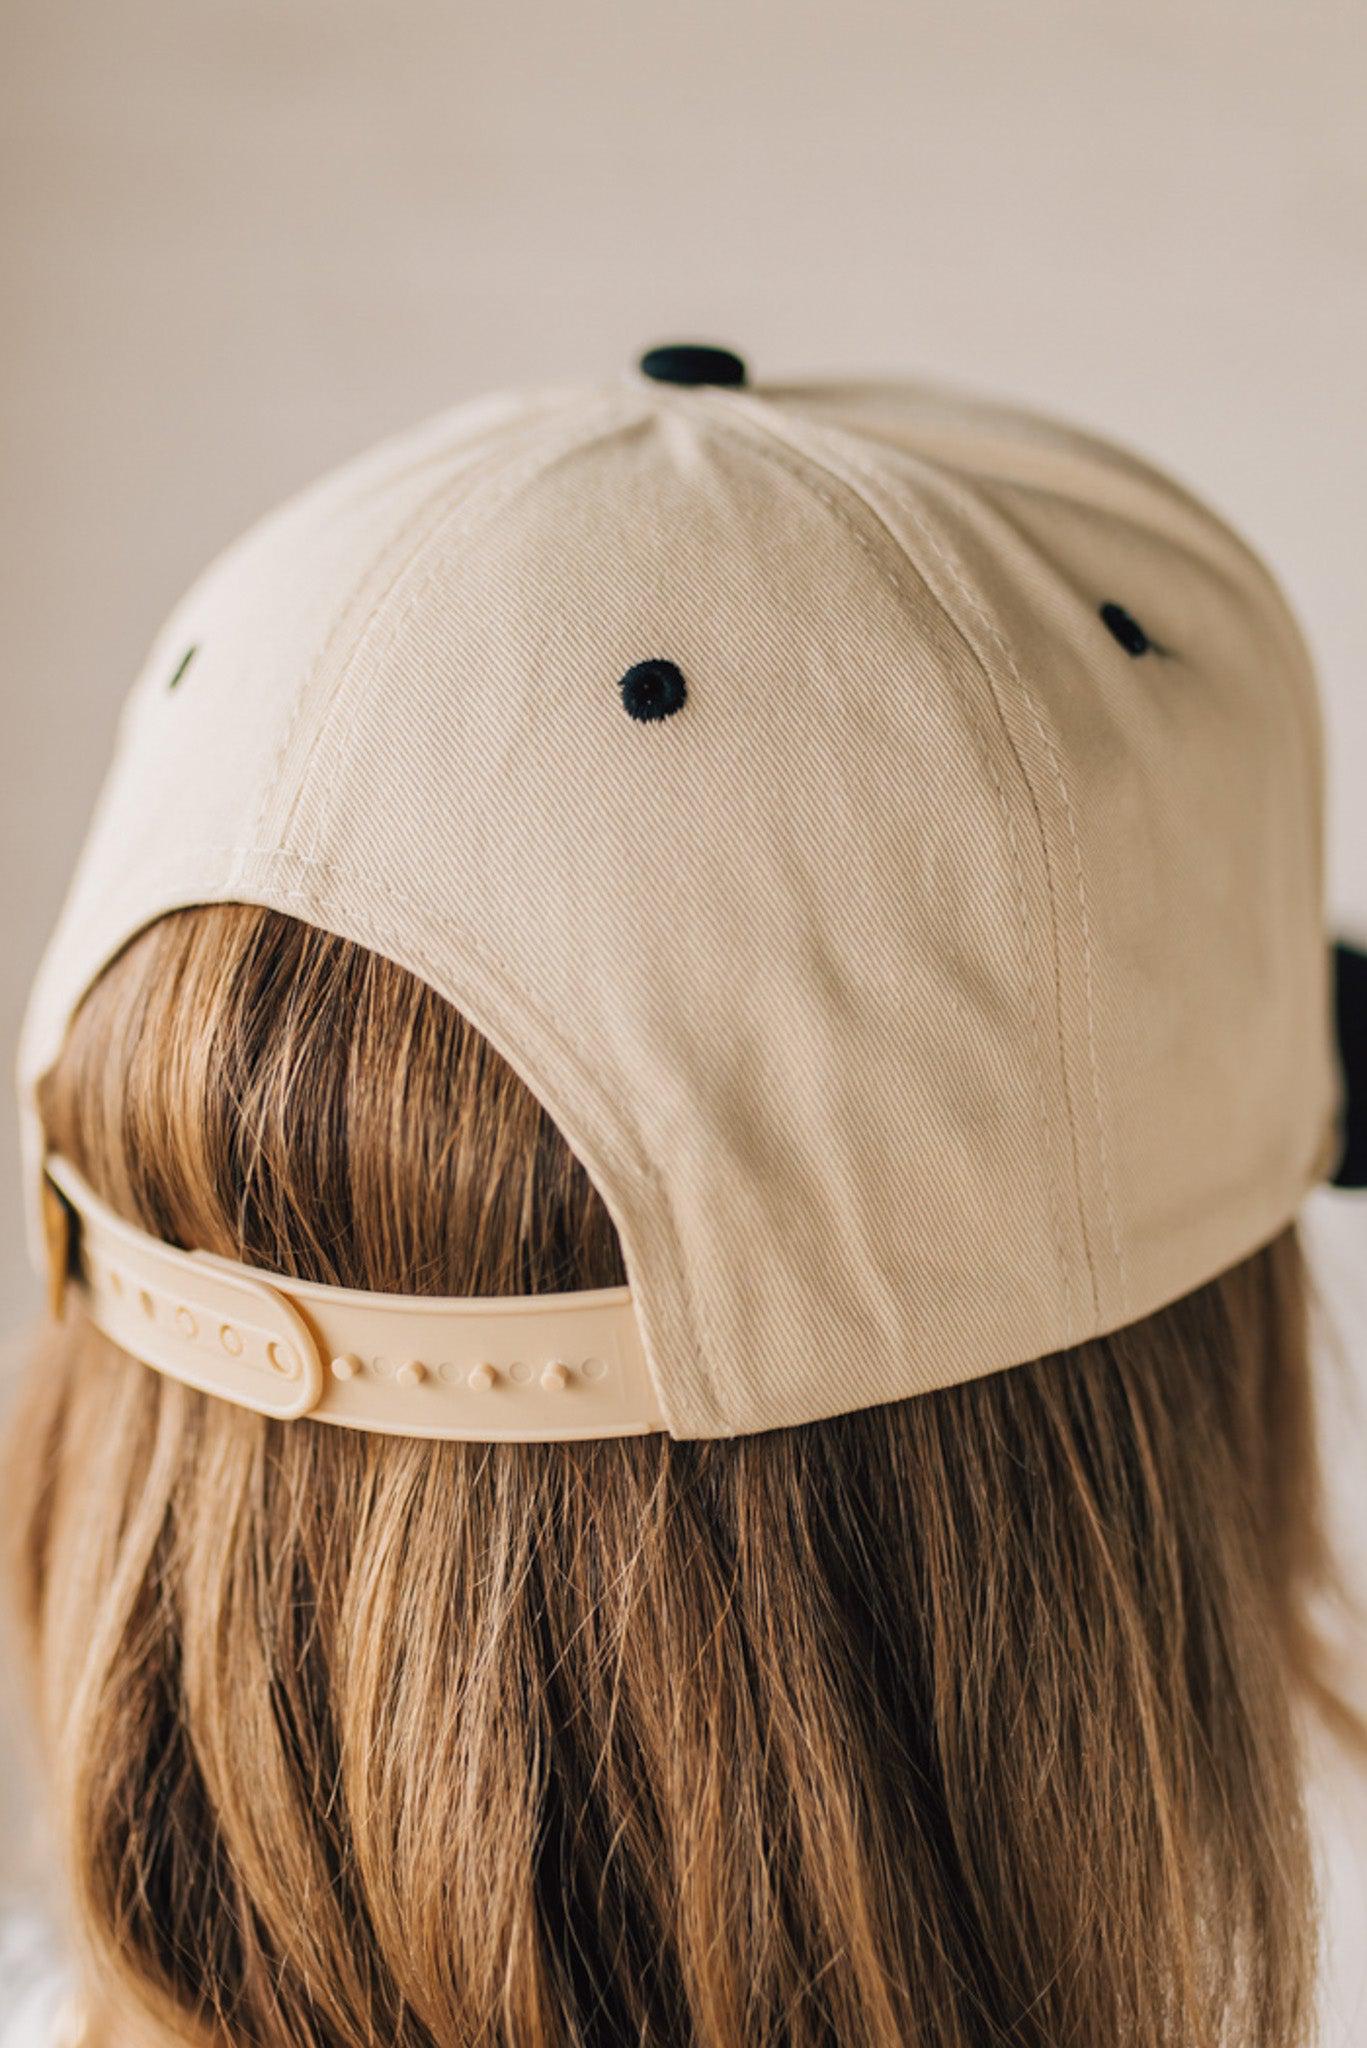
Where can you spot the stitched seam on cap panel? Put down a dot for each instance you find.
(1241, 571)
(425, 507)
(177, 625)
(432, 509)
(900, 590)
(1160, 503)
(1239, 566)
(904, 595)
(835, 468)
(989, 625)
(424, 564)
(1199, 530)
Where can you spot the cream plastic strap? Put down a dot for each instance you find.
(535, 1367)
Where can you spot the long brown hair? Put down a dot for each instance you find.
(965, 1721)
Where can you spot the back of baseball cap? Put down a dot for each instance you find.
(882, 826)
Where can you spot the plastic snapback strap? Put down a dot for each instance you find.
(533, 1368)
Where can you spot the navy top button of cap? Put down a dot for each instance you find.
(692, 362)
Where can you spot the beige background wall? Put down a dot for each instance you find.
(239, 240)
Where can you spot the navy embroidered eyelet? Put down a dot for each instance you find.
(1127, 630)
(652, 689)
(182, 665)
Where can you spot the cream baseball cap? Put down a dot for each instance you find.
(881, 825)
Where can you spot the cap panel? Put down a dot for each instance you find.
(898, 509)
(1196, 778)
(1193, 776)
(1181, 797)
(469, 488)
(196, 766)
(978, 436)
(285, 577)
(803, 1015)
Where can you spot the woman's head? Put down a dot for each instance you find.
(961, 1720)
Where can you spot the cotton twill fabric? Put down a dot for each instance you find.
(938, 987)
